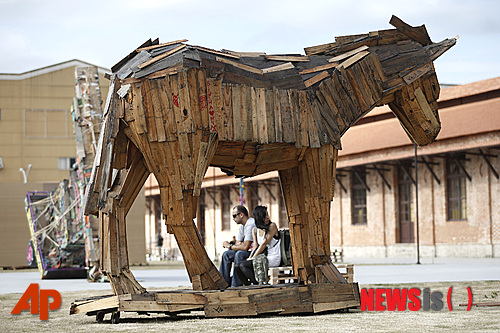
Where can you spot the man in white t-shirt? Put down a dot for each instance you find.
(238, 251)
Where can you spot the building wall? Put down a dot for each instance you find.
(23, 141)
(477, 236)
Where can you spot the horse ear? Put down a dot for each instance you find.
(435, 50)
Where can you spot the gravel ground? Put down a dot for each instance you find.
(483, 319)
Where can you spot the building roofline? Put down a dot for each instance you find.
(50, 69)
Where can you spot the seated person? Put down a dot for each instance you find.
(266, 241)
(239, 251)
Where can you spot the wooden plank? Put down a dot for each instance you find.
(120, 151)
(275, 300)
(158, 108)
(287, 58)
(328, 118)
(303, 119)
(152, 47)
(357, 94)
(175, 102)
(294, 108)
(228, 110)
(254, 116)
(123, 262)
(417, 73)
(348, 39)
(322, 307)
(138, 109)
(326, 91)
(319, 68)
(245, 54)
(230, 310)
(424, 105)
(316, 78)
(270, 115)
(165, 99)
(194, 99)
(151, 306)
(220, 116)
(318, 49)
(278, 126)
(416, 33)
(236, 103)
(347, 54)
(180, 298)
(240, 66)
(374, 85)
(161, 56)
(312, 129)
(286, 116)
(211, 106)
(107, 303)
(343, 99)
(174, 174)
(325, 134)
(188, 124)
(347, 90)
(355, 58)
(205, 156)
(275, 153)
(260, 95)
(278, 68)
(186, 160)
(224, 54)
(161, 73)
(202, 95)
(246, 124)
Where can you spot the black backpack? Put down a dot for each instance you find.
(286, 247)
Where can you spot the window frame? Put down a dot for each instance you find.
(359, 186)
(460, 200)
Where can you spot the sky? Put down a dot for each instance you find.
(39, 33)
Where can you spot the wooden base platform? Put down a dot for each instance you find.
(232, 302)
(285, 274)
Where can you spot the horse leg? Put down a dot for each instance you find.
(114, 252)
(308, 192)
(179, 215)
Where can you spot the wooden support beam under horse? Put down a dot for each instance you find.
(175, 109)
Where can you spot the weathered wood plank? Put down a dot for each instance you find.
(417, 33)
(278, 68)
(270, 115)
(240, 65)
(262, 133)
(211, 105)
(152, 47)
(227, 106)
(355, 58)
(288, 58)
(161, 56)
(158, 108)
(319, 68)
(347, 54)
(316, 78)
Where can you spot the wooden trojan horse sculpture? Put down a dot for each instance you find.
(174, 109)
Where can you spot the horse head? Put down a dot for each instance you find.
(414, 102)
